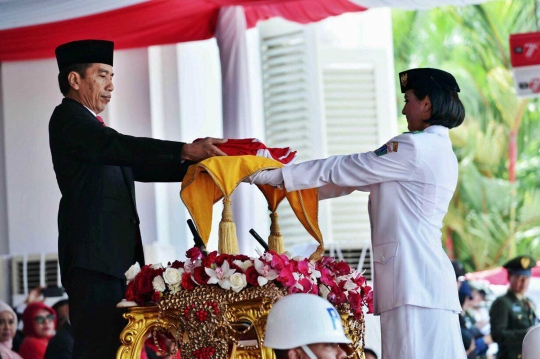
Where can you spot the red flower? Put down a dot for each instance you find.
(222, 258)
(307, 286)
(194, 254)
(366, 290)
(200, 276)
(251, 276)
(286, 277)
(342, 268)
(240, 257)
(369, 300)
(130, 291)
(359, 280)
(156, 296)
(303, 267)
(143, 281)
(187, 282)
(279, 261)
(209, 259)
(327, 277)
(177, 264)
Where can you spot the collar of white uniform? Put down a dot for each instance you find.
(440, 130)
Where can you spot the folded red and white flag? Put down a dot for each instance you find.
(252, 146)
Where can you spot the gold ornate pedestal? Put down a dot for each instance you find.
(229, 324)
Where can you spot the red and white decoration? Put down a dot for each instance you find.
(525, 57)
(32, 29)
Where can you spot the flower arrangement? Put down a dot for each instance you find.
(333, 280)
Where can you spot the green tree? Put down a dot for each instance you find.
(495, 212)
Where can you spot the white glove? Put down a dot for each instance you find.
(269, 177)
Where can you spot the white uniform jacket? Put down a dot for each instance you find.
(411, 181)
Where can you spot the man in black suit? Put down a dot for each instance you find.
(95, 166)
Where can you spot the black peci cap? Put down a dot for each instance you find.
(84, 51)
(426, 78)
(520, 265)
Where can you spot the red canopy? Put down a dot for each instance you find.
(498, 275)
(157, 22)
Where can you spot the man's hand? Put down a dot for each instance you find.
(203, 149)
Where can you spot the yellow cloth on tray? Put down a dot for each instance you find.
(208, 181)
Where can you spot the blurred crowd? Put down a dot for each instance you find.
(494, 327)
(34, 330)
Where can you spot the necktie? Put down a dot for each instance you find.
(101, 121)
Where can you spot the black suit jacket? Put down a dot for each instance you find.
(95, 168)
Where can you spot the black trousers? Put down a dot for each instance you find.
(95, 320)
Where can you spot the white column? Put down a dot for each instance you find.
(172, 237)
(231, 39)
(4, 243)
(129, 113)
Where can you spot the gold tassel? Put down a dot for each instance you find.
(275, 240)
(228, 242)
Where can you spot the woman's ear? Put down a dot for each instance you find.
(426, 106)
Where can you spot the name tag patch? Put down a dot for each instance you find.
(386, 148)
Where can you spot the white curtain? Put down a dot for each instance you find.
(19, 13)
(231, 39)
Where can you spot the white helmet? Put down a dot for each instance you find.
(300, 319)
(531, 344)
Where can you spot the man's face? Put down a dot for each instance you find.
(519, 283)
(322, 351)
(416, 111)
(94, 90)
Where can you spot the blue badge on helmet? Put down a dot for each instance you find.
(333, 316)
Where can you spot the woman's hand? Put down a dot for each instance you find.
(269, 177)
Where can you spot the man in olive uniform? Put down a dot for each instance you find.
(513, 315)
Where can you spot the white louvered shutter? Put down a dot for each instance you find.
(287, 100)
(325, 102)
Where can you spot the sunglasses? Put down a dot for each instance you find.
(41, 319)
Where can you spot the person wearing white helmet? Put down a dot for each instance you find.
(302, 326)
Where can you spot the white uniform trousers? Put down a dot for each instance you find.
(412, 332)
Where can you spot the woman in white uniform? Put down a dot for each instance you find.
(411, 180)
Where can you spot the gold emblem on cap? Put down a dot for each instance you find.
(403, 79)
(525, 261)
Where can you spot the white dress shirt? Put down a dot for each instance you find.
(411, 181)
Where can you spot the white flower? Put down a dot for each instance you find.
(266, 273)
(262, 281)
(173, 276)
(189, 266)
(132, 272)
(314, 273)
(238, 281)
(220, 275)
(244, 265)
(175, 288)
(260, 252)
(157, 266)
(349, 285)
(159, 284)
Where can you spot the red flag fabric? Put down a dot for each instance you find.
(254, 147)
